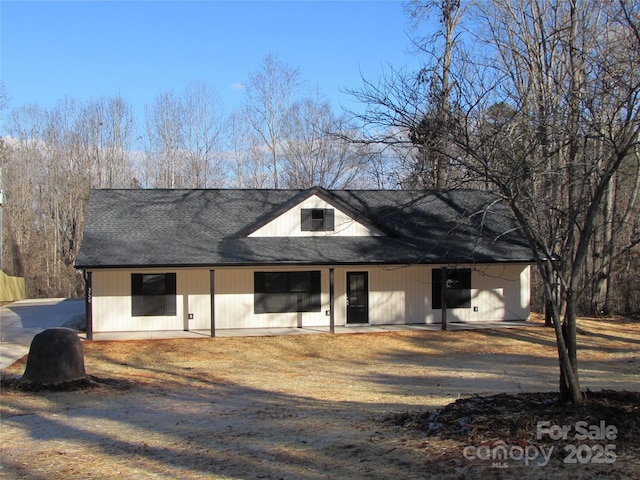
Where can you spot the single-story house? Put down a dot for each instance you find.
(237, 258)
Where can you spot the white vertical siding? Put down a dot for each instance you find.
(403, 295)
(288, 224)
(340, 296)
(397, 295)
(112, 302)
(235, 299)
(500, 292)
(193, 292)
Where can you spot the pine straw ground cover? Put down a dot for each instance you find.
(403, 405)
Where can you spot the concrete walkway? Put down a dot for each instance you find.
(22, 320)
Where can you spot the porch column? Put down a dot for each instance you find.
(332, 315)
(444, 297)
(212, 296)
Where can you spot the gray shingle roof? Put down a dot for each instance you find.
(209, 228)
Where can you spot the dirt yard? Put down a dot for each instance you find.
(323, 407)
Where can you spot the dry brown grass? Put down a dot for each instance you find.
(299, 407)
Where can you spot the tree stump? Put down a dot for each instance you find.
(55, 356)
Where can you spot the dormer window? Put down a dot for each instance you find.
(317, 219)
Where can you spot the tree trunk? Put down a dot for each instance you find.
(569, 383)
(569, 380)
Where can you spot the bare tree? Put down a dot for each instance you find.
(574, 131)
(245, 158)
(202, 123)
(48, 179)
(23, 173)
(315, 151)
(56, 156)
(270, 92)
(412, 111)
(64, 194)
(546, 120)
(429, 167)
(183, 138)
(164, 130)
(110, 127)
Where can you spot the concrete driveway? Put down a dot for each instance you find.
(21, 321)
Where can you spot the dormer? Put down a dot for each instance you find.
(315, 212)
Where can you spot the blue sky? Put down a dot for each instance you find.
(91, 49)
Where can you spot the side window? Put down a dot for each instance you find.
(458, 288)
(153, 294)
(317, 219)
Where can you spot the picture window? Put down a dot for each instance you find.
(282, 292)
(153, 294)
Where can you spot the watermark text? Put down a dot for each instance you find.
(588, 443)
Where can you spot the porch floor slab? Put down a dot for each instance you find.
(267, 332)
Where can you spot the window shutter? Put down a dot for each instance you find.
(258, 296)
(170, 294)
(136, 284)
(329, 220)
(137, 300)
(305, 219)
(315, 301)
(436, 288)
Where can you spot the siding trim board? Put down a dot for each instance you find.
(88, 304)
